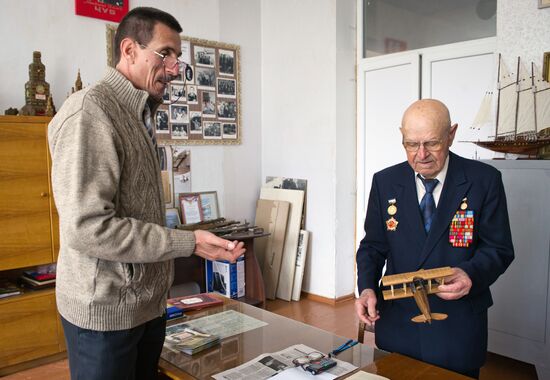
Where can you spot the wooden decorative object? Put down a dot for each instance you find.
(412, 284)
(37, 89)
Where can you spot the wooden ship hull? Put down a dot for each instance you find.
(516, 146)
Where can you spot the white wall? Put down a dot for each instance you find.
(308, 130)
(522, 30)
(69, 42)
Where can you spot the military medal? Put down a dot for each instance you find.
(391, 223)
(392, 208)
(464, 205)
(461, 230)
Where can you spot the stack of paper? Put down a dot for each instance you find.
(184, 339)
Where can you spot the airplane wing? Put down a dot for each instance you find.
(425, 274)
(399, 282)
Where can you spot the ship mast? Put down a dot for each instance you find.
(534, 89)
(517, 102)
(498, 96)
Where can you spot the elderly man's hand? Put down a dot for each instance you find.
(456, 285)
(365, 307)
(212, 247)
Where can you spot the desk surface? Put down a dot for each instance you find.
(280, 333)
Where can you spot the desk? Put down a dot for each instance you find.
(280, 333)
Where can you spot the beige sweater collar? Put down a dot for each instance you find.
(130, 97)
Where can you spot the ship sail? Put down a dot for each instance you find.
(542, 99)
(507, 101)
(484, 116)
(526, 102)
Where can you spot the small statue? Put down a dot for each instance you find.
(77, 84)
(50, 108)
(37, 89)
(11, 111)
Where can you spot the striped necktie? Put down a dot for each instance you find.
(427, 204)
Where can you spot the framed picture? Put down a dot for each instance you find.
(111, 10)
(191, 210)
(212, 95)
(544, 3)
(209, 203)
(546, 66)
(172, 217)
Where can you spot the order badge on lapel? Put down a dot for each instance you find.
(461, 230)
(391, 223)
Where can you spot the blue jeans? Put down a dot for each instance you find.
(131, 354)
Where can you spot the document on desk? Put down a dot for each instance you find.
(279, 364)
(225, 324)
(362, 375)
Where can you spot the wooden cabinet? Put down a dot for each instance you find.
(25, 195)
(29, 323)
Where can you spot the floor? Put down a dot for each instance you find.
(339, 319)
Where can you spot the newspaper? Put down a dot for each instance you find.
(224, 325)
(268, 365)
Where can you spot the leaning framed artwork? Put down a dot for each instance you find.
(191, 210)
(204, 108)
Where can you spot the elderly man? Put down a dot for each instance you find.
(415, 212)
(116, 257)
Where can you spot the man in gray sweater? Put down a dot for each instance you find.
(116, 257)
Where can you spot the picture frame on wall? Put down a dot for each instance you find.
(110, 10)
(544, 3)
(213, 95)
(191, 210)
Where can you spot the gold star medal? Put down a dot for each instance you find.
(464, 204)
(391, 224)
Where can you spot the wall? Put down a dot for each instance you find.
(522, 31)
(69, 42)
(308, 130)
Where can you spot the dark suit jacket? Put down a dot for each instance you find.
(459, 342)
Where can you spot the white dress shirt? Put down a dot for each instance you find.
(420, 190)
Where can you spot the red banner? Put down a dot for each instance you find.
(111, 10)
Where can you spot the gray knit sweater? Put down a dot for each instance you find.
(115, 262)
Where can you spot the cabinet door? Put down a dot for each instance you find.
(29, 328)
(24, 194)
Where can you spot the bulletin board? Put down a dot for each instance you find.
(207, 109)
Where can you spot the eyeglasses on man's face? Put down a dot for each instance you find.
(171, 62)
(430, 145)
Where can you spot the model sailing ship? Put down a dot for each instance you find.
(522, 113)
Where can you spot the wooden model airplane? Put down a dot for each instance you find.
(414, 285)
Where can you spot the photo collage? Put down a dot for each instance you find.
(205, 109)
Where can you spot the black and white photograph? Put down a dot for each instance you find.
(177, 93)
(185, 51)
(192, 97)
(227, 62)
(229, 130)
(286, 183)
(212, 130)
(179, 114)
(227, 109)
(195, 123)
(227, 88)
(161, 121)
(166, 94)
(206, 78)
(208, 102)
(180, 131)
(205, 56)
(271, 362)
